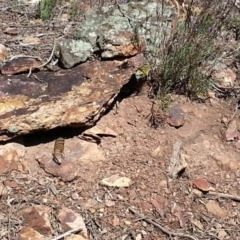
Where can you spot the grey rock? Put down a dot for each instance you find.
(117, 30)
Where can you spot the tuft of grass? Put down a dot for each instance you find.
(46, 9)
(176, 63)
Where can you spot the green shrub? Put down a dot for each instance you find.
(176, 62)
(46, 8)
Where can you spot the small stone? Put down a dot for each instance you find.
(198, 224)
(19, 65)
(28, 233)
(38, 218)
(176, 116)
(11, 31)
(222, 234)
(70, 220)
(31, 40)
(75, 196)
(201, 184)
(157, 152)
(11, 155)
(215, 209)
(64, 17)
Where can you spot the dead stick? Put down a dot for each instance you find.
(224, 195)
(163, 229)
(67, 233)
(49, 59)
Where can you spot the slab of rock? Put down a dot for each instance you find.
(67, 171)
(76, 97)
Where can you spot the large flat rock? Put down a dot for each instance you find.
(76, 97)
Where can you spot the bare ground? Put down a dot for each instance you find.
(140, 153)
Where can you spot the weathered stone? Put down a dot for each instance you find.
(67, 171)
(11, 31)
(214, 208)
(202, 184)
(19, 65)
(11, 155)
(76, 97)
(29, 40)
(28, 233)
(176, 116)
(70, 220)
(115, 30)
(38, 217)
(72, 52)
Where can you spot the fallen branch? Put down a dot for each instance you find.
(67, 233)
(163, 229)
(224, 195)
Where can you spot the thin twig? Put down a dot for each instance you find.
(163, 229)
(224, 195)
(49, 59)
(67, 233)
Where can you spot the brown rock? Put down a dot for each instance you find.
(176, 116)
(76, 97)
(201, 184)
(67, 171)
(11, 184)
(11, 155)
(70, 220)
(214, 208)
(11, 31)
(19, 65)
(28, 233)
(31, 40)
(38, 217)
(227, 161)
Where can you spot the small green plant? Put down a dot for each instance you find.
(46, 9)
(176, 62)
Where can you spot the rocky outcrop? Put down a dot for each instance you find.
(76, 97)
(119, 30)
